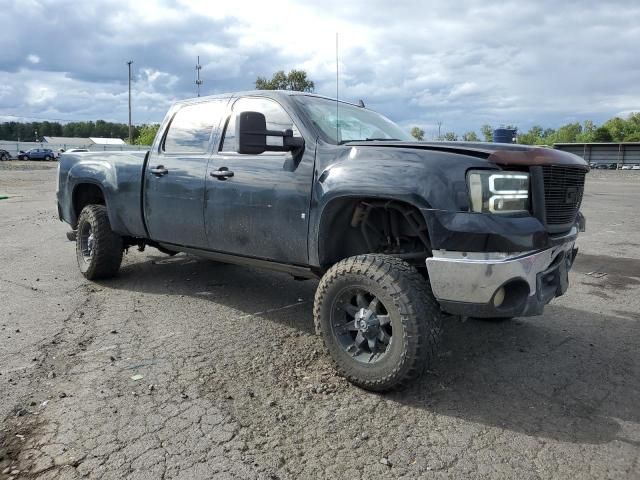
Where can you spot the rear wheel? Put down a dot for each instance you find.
(378, 319)
(98, 248)
(4, 157)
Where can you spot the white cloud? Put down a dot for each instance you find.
(39, 94)
(464, 89)
(461, 63)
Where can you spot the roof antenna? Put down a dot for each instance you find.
(337, 91)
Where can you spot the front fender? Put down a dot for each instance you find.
(424, 179)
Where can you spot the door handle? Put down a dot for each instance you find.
(222, 174)
(159, 171)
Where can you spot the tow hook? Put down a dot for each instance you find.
(71, 235)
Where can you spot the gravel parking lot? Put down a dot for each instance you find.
(186, 368)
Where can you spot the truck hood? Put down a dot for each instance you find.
(497, 153)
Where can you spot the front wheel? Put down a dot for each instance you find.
(378, 319)
(47, 158)
(98, 248)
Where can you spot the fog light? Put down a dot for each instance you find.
(498, 298)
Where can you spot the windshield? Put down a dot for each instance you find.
(348, 122)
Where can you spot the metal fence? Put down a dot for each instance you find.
(14, 147)
(625, 153)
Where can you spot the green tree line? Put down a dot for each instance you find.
(26, 131)
(616, 129)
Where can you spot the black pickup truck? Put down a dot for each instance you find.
(401, 233)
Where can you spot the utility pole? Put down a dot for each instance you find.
(198, 81)
(129, 64)
(337, 95)
(439, 135)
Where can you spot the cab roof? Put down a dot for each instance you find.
(262, 93)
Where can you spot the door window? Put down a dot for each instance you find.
(190, 130)
(276, 117)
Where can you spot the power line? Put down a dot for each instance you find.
(68, 120)
(44, 119)
(29, 119)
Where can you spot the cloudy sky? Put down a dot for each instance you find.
(462, 63)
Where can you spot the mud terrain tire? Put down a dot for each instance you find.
(98, 248)
(409, 307)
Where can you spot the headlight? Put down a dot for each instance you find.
(498, 192)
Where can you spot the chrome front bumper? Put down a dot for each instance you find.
(467, 283)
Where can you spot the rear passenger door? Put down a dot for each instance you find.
(174, 182)
(261, 211)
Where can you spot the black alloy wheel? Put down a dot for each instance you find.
(361, 325)
(379, 320)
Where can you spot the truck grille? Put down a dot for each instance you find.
(563, 189)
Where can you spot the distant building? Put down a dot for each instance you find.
(80, 142)
(107, 141)
(68, 142)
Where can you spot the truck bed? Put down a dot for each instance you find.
(120, 175)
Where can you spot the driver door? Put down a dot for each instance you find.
(262, 210)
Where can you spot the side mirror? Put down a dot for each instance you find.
(252, 133)
(289, 142)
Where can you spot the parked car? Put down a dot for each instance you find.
(37, 154)
(72, 150)
(626, 167)
(4, 155)
(397, 231)
(635, 167)
(601, 166)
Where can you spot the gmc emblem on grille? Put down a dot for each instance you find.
(571, 195)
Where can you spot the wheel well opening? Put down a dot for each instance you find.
(86, 194)
(355, 226)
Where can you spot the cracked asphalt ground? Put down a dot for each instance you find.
(186, 368)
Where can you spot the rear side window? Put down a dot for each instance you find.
(191, 128)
